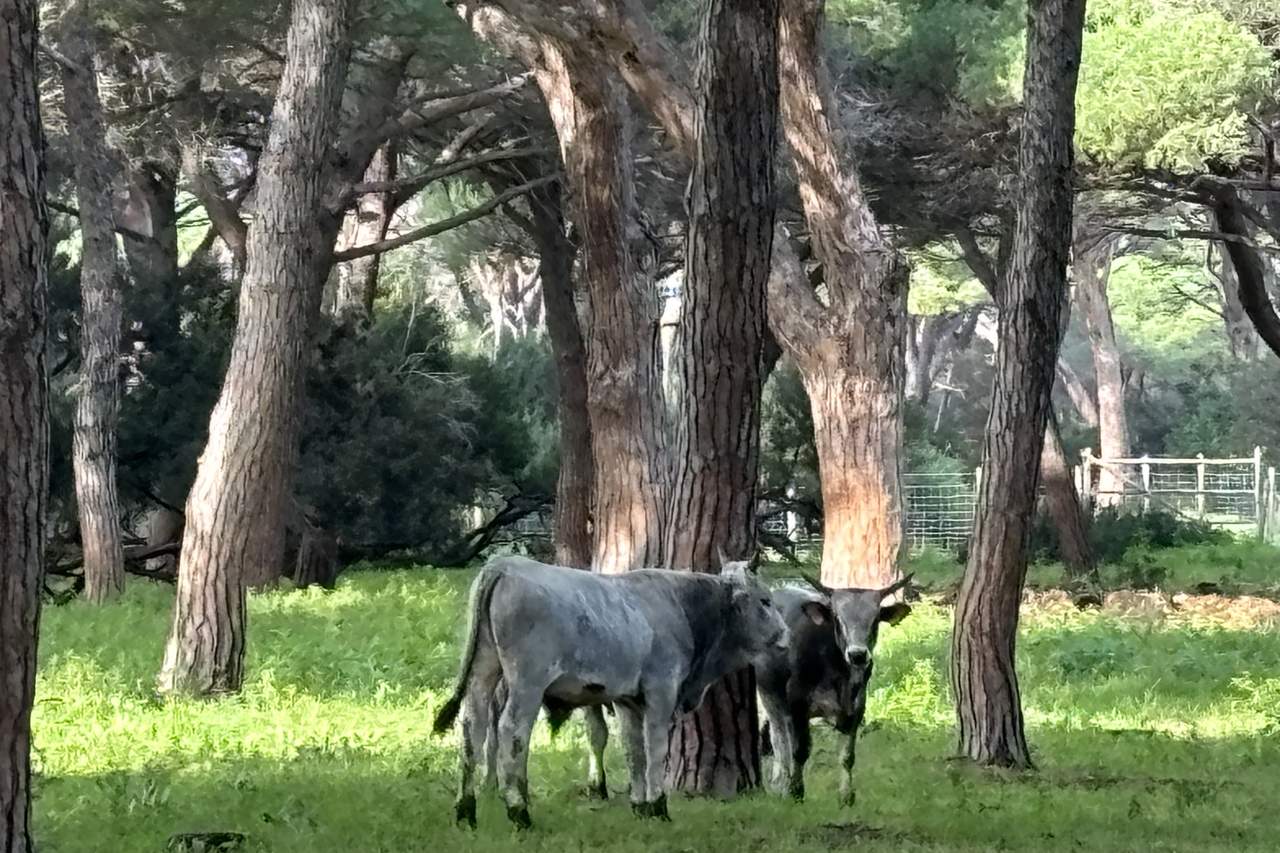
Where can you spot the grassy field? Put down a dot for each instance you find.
(1152, 731)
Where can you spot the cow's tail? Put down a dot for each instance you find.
(481, 594)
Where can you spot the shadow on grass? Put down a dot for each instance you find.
(1093, 792)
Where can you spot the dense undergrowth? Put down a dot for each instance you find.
(1150, 733)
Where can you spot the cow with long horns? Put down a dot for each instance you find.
(824, 672)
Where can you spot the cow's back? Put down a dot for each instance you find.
(584, 634)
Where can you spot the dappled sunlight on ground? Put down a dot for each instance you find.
(1150, 733)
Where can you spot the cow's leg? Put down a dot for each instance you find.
(847, 794)
(476, 715)
(632, 723)
(658, 711)
(800, 743)
(598, 738)
(491, 738)
(779, 725)
(515, 726)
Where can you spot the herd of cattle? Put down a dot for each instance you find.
(650, 643)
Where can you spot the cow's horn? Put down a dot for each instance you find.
(900, 583)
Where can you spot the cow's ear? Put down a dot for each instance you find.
(894, 613)
(818, 613)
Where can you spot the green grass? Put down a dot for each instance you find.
(1149, 735)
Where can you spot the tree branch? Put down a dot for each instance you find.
(405, 188)
(444, 225)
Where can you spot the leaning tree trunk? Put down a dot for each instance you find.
(1092, 268)
(984, 681)
(572, 520)
(24, 427)
(1062, 502)
(236, 509)
(97, 410)
(852, 364)
(624, 391)
(714, 749)
(1242, 340)
(366, 223)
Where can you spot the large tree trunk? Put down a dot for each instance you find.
(151, 212)
(572, 520)
(1092, 268)
(984, 681)
(852, 368)
(624, 391)
(236, 510)
(714, 749)
(366, 223)
(24, 428)
(101, 317)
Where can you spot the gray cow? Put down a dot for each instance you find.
(651, 642)
(823, 673)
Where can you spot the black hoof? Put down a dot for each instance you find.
(656, 810)
(465, 810)
(796, 790)
(659, 809)
(848, 798)
(597, 790)
(519, 815)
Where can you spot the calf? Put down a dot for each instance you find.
(824, 672)
(651, 642)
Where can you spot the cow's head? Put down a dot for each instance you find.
(760, 628)
(857, 614)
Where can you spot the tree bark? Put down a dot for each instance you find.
(1092, 268)
(731, 203)
(24, 426)
(624, 390)
(1079, 394)
(366, 223)
(1242, 340)
(1062, 502)
(572, 517)
(984, 680)
(927, 344)
(1250, 270)
(152, 212)
(852, 368)
(97, 411)
(236, 509)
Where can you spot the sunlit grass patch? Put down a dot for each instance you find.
(1149, 733)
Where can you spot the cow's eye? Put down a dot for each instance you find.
(765, 602)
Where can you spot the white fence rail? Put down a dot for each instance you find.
(1237, 494)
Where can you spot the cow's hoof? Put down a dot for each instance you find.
(519, 815)
(848, 798)
(641, 809)
(597, 790)
(796, 790)
(464, 810)
(658, 809)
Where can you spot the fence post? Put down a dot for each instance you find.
(1257, 487)
(1146, 484)
(1200, 485)
(1272, 506)
(1086, 477)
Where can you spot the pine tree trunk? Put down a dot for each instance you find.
(852, 364)
(367, 223)
(1079, 394)
(984, 681)
(1242, 339)
(572, 521)
(236, 509)
(97, 410)
(624, 392)
(1092, 268)
(1062, 502)
(731, 203)
(24, 427)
